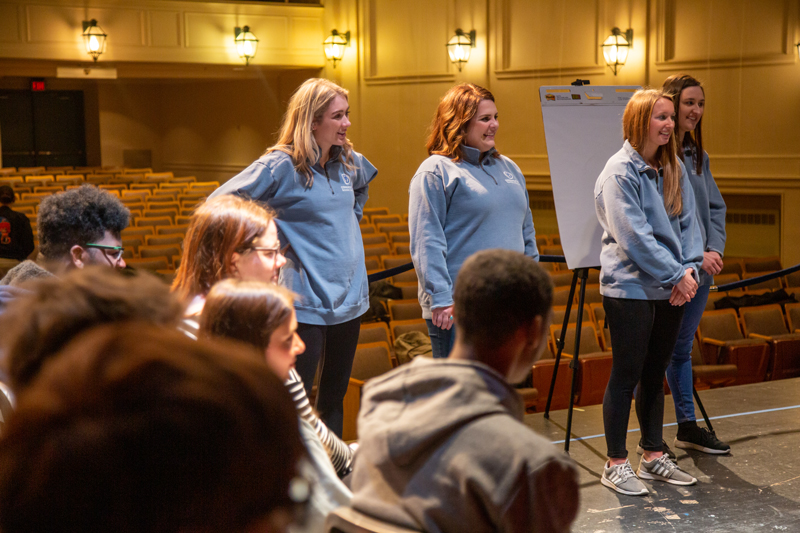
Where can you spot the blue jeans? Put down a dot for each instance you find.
(442, 340)
(679, 371)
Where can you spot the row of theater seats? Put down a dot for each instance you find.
(160, 205)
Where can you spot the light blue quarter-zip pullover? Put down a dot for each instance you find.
(710, 209)
(325, 259)
(457, 209)
(645, 251)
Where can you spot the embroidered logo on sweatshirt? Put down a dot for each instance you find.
(510, 177)
(346, 181)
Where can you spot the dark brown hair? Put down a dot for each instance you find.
(449, 127)
(674, 85)
(247, 311)
(496, 293)
(220, 226)
(140, 429)
(42, 322)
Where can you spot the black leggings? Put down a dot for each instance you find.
(332, 348)
(643, 335)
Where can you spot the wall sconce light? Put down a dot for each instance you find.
(246, 43)
(94, 38)
(459, 47)
(334, 46)
(615, 48)
(798, 49)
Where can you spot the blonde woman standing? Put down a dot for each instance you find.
(650, 261)
(317, 185)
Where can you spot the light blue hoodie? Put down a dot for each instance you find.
(457, 209)
(710, 209)
(325, 260)
(645, 250)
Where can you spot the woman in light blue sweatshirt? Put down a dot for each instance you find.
(464, 198)
(650, 260)
(689, 99)
(317, 185)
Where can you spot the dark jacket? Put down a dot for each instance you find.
(16, 235)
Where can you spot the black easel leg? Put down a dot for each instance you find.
(583, 273)
(702, 409)
(560, 343)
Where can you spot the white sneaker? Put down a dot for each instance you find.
(622, 479)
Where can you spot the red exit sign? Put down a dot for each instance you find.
(37, 85)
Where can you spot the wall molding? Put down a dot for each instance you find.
(665, 59)
(502, 57)
(370, 70)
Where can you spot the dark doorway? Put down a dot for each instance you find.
(42, 128)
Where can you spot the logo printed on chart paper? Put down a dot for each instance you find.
(510, 177)
(346, 181)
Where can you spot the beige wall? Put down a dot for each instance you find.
(741, 49)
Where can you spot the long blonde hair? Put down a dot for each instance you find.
(306, 106)
(636, 128)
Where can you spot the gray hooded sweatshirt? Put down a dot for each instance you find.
(443, 448)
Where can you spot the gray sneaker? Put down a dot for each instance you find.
(663, 469)
(622, 479)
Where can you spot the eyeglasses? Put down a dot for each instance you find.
(271, 253)
(113, 252)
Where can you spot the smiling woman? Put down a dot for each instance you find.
(464, 198)
(650, 258)
(318, 185)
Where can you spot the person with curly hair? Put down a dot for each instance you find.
(77, 228)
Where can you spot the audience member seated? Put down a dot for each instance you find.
(138, 429)
(262, 315)
(55, 310)
(227, 237)
(16, 235)
(230, 237)
(443, 446)
(77, 228)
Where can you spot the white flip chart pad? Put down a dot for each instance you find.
(583, 129)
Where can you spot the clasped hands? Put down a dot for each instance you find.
(685, 290)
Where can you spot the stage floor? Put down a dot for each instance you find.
(754, 488)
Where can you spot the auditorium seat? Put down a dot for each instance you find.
(766, 322)
(771, 284)
(376, 238)
(762, 264)
(542, 375)
(170, 230)
(138, 195)
(373, 264)
(142, 171)
(561, 295)
(399, 327)
(143, 186)
(713, 297)
(367, 229)
(161, 197)
(184, 179)
(160, 250)
(792, 281)
(561, 278)
(385, 219)
(30, 170)
(793, 317)
(69, 180)
(404, 309)
(402, 249)
(392, 228)
(132, 231)
(154, 240)
(710, 376)
(722, 342)
(151, 264)
(132, 243)
(159, 221)
(542, 240)
(370, 211)
(400, 236)
(555, 240)
(594, 364)
(374, 332)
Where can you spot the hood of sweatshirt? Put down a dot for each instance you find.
(411, 410)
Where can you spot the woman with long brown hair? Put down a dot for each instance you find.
(689, 99)
(650, 260)
(318, 185)
(464, 198)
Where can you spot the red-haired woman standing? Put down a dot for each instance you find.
(650, 259)
(464, 198)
